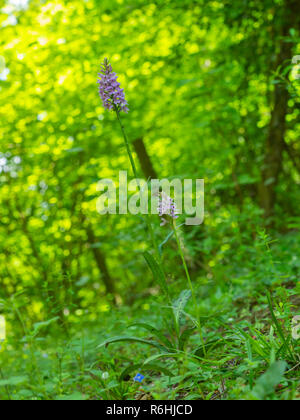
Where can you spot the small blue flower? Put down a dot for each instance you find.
(139, 377)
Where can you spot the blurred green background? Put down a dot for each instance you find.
(213, 94)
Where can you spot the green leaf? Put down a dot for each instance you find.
(278, 327)
(131, 339)
(15, 380)
(162, 355)
(199, 352)
(39, 325)
(76, 396)
(83, 281)
(157, 272)
(249, 350)
(266, 384)
(155, 332)
(255, 344)
(160, 247)
(185, 337)
(180, 303)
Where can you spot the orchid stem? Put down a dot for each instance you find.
(148, 221)
(190, 286)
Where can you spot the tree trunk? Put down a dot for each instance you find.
(144, 159)
(101, 262)
(272, 166)
(98, 255)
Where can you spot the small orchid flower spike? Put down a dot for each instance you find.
(109, 89)
(166, 207)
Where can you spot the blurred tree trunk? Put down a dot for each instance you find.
(294, 156)
(144, 159)
(275, 143)
(100, 261)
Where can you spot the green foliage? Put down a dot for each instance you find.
(180, 304)
(157, 272)
(266, 384)
(88, 302)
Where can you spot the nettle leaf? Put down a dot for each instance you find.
(180, 303)
(267, 383)
(157, 272)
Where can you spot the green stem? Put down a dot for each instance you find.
(126, 143)
(190, 285)
(150, 228)
(148, 221)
